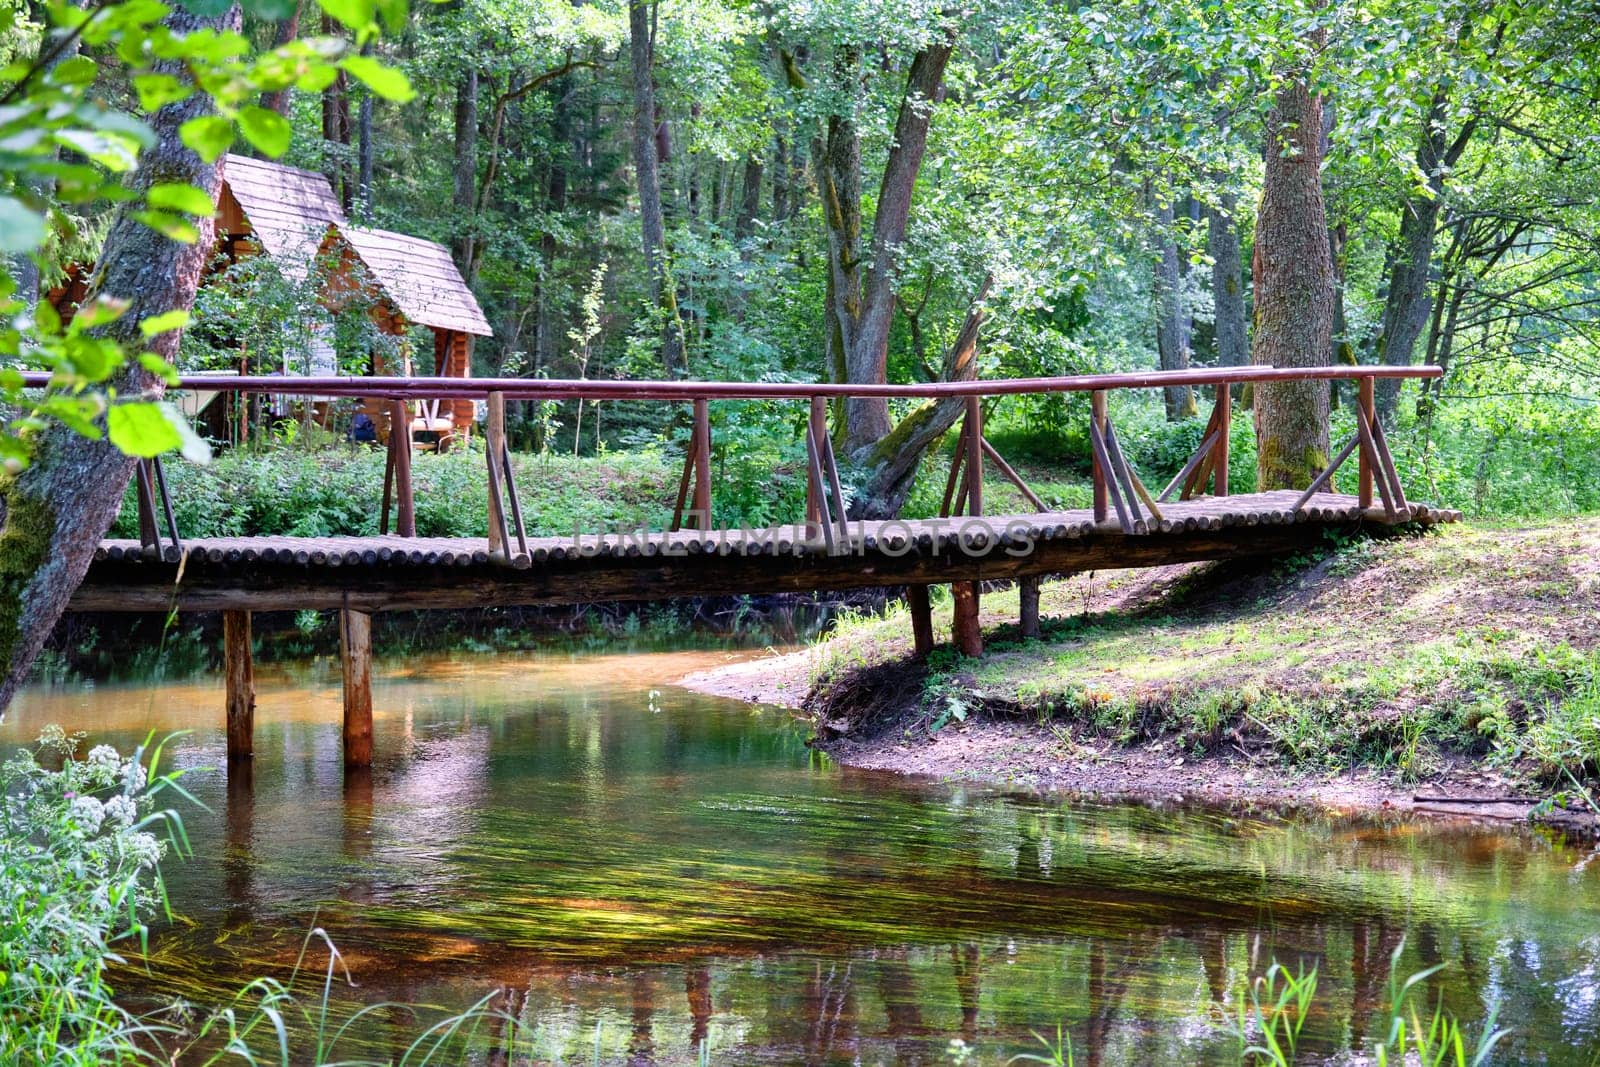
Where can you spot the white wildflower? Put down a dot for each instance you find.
(133, 777)
(88, 813)
(121, 811)
(143, 848)
(103, 764)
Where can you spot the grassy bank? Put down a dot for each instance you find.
(1471, 651)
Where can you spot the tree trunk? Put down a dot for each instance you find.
(892, 462)
(867, 354)
(744, 223)
(365, 152)
(463, 248)
(860, 299)
(54, 513)
(1405, 310)
(1227, 284)
(1294, 293)
(780, 179)
(336, 130)
(288, 30)
(1173, 326)
(652, 224)
(545, 343)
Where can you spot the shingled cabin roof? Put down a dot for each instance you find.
(417, 276)
(287, 209)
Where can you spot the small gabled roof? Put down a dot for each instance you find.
(288, 209)
(418, 277)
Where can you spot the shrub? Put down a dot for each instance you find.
(78, 874)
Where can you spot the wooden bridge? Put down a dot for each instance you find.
(1192, 518)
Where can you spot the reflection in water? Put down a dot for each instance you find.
(678, 870)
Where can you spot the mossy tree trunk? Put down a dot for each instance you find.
(1294, 293)
(860, 300)
(54, 513)
(892, 462)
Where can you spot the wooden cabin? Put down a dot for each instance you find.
(293, 216)
(411, 281)
(268, 208)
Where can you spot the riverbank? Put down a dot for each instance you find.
(1455, 672)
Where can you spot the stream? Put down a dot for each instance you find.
(630, 867)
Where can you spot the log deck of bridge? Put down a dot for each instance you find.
(410, 573)
(1194, 518)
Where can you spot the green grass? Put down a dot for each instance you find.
(338, 490)
(1403, 655)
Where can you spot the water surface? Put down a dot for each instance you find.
(614, 855)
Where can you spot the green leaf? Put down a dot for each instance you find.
(160, 368)
(207, 9)
(175, 319)
(387, 82)
(180, 196)
(173, 227)
(158, 90)
(193, 447)
(140, 428)
(111, 151)
(77, 413)
(79, 70)
(266, 129)
(99, 311)
(21, 228)
(356, 14)
(209, 136)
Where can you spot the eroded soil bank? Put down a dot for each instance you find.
(1455, 673)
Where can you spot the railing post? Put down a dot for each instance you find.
(818, 427)
(1097, 412)
(1224, 422)
(149, 531)
(702, 463)
(400, 452)
(1365, 398)
(974, 455)
(495, 441)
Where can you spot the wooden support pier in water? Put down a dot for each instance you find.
(1195, 517)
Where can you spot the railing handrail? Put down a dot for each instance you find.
(682, 390)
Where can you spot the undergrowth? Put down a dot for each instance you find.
(1405, 656)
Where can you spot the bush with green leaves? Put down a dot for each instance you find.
(80, 846)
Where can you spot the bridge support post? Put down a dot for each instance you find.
(964, 619)
(921, 620)
(355, 656)
(240, 674)
(1028, 594)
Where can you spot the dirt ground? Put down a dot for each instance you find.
(1539, 583)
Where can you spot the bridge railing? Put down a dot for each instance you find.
(1118, 490)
